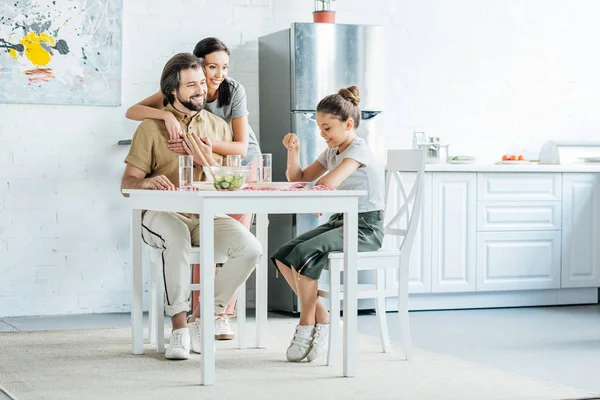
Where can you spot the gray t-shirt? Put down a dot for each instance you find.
(237, 108)
(369, 176)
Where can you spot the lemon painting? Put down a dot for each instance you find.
(61, 51)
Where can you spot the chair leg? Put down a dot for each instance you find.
(381, 312)
(159, 311)
(152, 303)
(334, 311)
(241, 316)
(403, 308)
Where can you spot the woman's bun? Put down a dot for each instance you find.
(351, 94)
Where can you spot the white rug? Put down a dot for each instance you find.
(97, 364)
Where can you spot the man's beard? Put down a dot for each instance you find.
(190, 105)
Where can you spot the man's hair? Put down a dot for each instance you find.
(170, 78)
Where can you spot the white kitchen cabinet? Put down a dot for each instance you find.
(518, 186)
(518, 260)
(453, 232)
(519, 216)
(581, 230)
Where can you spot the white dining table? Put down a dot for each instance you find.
(261, 203)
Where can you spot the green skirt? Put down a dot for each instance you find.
(308, 253)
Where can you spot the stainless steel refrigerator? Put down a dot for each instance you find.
(297, 68)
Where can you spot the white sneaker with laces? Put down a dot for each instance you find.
(223, 329)
(179, 345)
(300, 344)
(319, 343)
(195, 329)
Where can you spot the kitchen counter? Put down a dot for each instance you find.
(507, 235)
(534, 167)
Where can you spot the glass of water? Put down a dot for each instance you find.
(186, 172)
(265, 167)
(233, 161)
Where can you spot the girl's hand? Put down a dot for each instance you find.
(173, 126)
(291, 142)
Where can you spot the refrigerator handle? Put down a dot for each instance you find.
(367, 115)
(364, 115)
(310, 115)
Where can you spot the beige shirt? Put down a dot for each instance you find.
(149, 150)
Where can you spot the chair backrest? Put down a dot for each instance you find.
(408, 208)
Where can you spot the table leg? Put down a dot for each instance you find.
(262, 277)
(207, 294)
(350, 290)
(137, 322)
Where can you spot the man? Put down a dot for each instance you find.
(151, 165)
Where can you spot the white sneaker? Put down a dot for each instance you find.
(319, 343)
(300, 344)
(195, 329)
(223, 329)
(179, 345)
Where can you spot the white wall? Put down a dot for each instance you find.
(487, 76)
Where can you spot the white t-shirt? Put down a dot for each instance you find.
(369, 176)
(237, 108)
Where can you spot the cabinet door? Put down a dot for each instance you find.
(518, 260)
(581, 230)
(420, 255)
(453, 232)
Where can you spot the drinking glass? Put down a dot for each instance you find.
(265, 167)
(233, 161)
(186, 172)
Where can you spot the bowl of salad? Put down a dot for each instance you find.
(227, 178)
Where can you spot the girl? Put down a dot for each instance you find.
(347, 164)
(227, 99)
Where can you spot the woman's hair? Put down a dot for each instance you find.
(343, 105)
(210, 45)
(170, 78)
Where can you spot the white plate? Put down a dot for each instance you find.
(590, 160)
(460, 161)
(274, 185)
(203, 185)
(513, 162)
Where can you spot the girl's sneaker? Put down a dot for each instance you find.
(319, 342)
(301, 343)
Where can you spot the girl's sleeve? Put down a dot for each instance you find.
(322, 159)
(238, 102)
(360, 154)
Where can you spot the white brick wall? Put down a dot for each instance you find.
(487, 76)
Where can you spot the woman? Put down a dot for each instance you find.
(226, 98)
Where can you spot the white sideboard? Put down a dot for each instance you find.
(504, 236)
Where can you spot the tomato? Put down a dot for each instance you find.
(521, 157)
(505, 158)
(513, 157)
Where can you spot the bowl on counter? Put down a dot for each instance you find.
(226, 178)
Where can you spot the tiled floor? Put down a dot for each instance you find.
(556, 344)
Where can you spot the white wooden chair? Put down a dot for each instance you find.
(156, 331)
(406, 215)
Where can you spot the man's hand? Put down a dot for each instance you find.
(159, 182)
(200, 148)
(291, 142)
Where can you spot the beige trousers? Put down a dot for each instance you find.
(175, 234)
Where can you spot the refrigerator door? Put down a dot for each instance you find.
(327, 57)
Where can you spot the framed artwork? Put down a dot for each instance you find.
(61, 51)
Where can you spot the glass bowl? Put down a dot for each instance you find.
(226, 178)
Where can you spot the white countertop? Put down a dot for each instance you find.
(533, 167)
